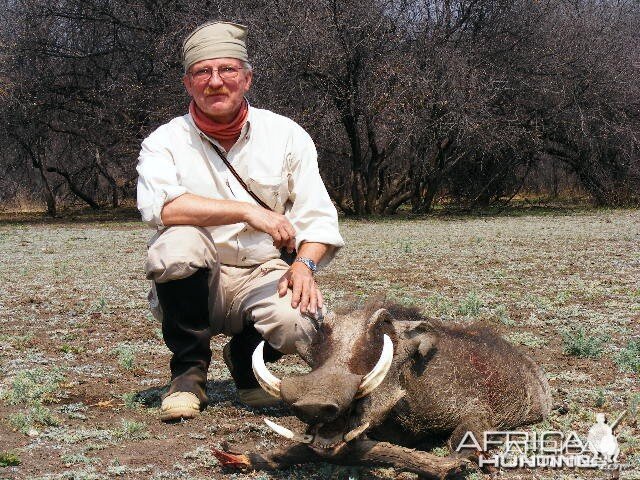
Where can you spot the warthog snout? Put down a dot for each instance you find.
(320, 396)
(316, 412)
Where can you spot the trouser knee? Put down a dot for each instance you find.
(286, 329)
(178, 252)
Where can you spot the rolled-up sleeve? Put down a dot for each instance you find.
(312, 213)
(157, 179)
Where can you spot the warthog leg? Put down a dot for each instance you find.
(357, 453)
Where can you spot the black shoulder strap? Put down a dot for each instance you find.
(289, 258)
(240, 180)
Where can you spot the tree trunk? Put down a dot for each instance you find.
(112, 181)
(427, 195)
(396, 201)
(38, 163)
(74, 187)
(49, 197)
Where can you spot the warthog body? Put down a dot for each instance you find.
(443, 381)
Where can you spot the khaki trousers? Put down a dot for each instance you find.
(237, 295)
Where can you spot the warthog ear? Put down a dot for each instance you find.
(424, 337)
(378, 318)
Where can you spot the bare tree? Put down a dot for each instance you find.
(88, 81)
(409, 101)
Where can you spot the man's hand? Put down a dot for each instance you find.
(305, 291)
(274, 224)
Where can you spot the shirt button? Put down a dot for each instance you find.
(244, 258)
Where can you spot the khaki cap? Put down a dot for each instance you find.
(215, 40)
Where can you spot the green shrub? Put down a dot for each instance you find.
(66, 348)
(42, 416)
(579, 344)
(440, 451)
(37, 416)
(470, 305)
(126, 356)
(130, 400)
(8, 459)
(439, 306)
(132, 430)
(20, 422)
(33, 387)
(76, 459)
(628, 358)
(502, 313)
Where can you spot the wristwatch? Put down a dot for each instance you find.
(311, 265)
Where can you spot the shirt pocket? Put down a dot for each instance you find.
(273, 191)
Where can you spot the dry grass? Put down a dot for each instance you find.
(73, 310)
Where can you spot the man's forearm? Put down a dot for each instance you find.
(190, 209)
(313, 250)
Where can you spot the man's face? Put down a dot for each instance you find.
(219, 98)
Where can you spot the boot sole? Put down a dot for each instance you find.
(176, 414)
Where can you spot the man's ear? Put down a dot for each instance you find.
(186, 81)
(248, 81)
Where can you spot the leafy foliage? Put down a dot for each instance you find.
(628, 358)
(470, 306)
(130, 429)
(34, 387)
(36, 416)
(579, 344)
(8, 459)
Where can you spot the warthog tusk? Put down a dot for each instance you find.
(374, 378)
(355, 432)
(269, 382)
(286, 433)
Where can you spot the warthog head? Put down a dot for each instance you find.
(349, 359)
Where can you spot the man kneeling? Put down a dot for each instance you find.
(228, 187)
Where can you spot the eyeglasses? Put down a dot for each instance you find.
(226, 72)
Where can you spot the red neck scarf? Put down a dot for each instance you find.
(220, 131)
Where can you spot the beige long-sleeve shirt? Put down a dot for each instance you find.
(275, 157)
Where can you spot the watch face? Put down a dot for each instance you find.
(309, 263)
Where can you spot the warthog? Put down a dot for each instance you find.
(407, 380)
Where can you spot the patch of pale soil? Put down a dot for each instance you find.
(73, 301)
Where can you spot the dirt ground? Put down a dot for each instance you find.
(82, 363)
